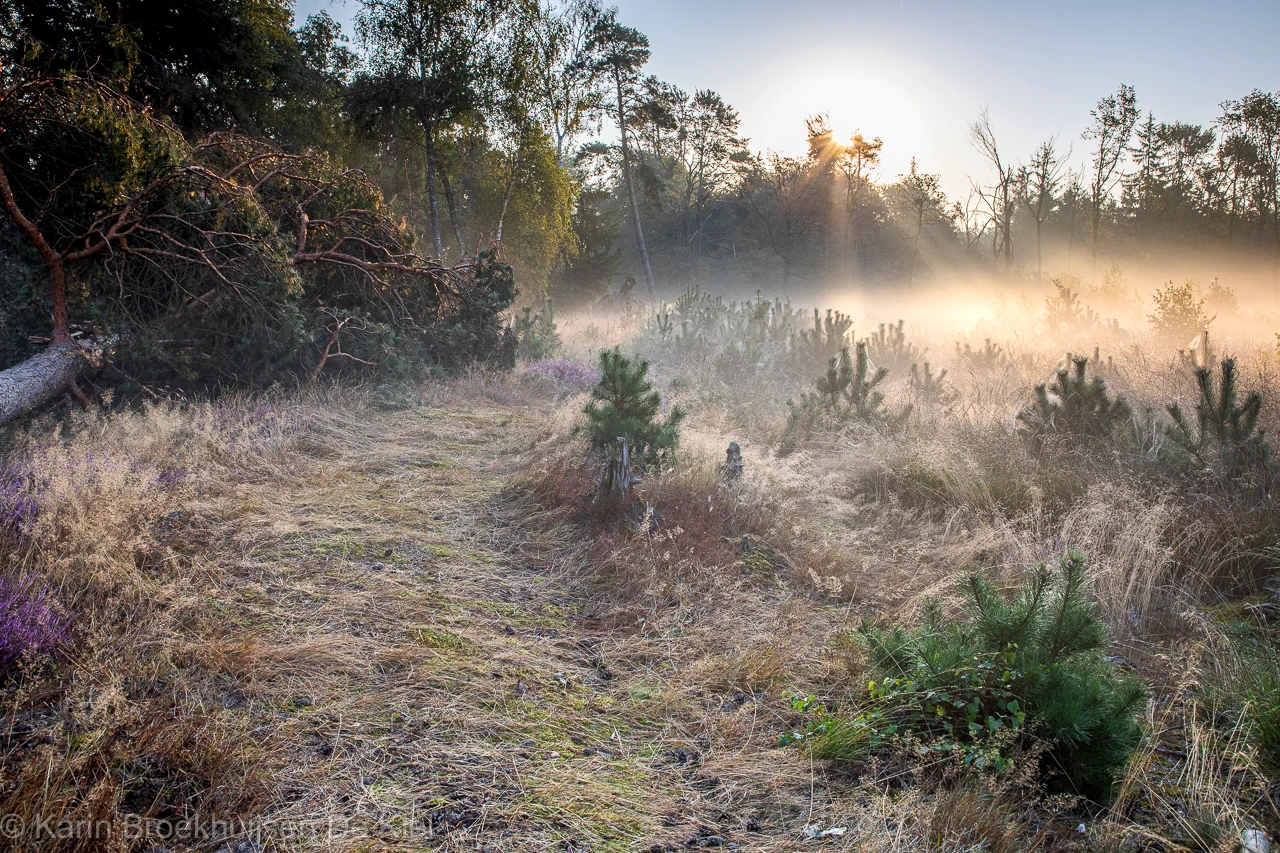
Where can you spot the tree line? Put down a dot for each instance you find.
(455, 127)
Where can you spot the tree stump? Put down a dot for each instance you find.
(618, 476)
(732, 467)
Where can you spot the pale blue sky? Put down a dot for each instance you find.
(916, 72)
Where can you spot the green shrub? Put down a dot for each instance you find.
(1064, 311)
(1178, 316)
(1225, 437)
(982, 361)
(889, 348)
(846, 392)
(932, 387)
(1243, 685)
(536, 334)
(1013, 673)
(1075, 408)
(625, 405)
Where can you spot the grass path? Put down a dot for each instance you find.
(428, 676)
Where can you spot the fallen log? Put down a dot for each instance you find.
(41, 379)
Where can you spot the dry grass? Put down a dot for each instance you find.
(339, 626)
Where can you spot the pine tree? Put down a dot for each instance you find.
(536, 333)
(848, 388)
(625, 405)
(1225, 437)
(1076, 408)
(932, 387)
(889, 348)
(825, 340)
(1007, 673)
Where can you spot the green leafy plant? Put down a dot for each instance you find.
(1178, 316)
(1020, 674)
(1075, 408)
(625, 405)
(1225, 437)
(536, 333)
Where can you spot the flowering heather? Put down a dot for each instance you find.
(18, 507)
(28, 624)
(565, 374)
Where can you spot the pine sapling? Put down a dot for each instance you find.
(931, 387)
(1225, 437)
(825, 340)
(889, 348)
(536, 333)
(625, 405)
(1075, 408)
(984, 360)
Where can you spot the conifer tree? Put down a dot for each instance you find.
(625, 405)
(1074, 407)
(1225, 437)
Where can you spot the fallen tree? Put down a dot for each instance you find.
(227, 262)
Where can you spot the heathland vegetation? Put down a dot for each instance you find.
(316, 530)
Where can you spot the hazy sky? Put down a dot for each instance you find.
(916, 73)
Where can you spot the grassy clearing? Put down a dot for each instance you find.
(333, 625)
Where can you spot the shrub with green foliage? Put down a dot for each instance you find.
(1225, 437)
(1075, 408)
(1064, 311)
(536, 333)
(1243, 685)
(1178, 316)
(932, 387)
(1025, 675)
(625, 405)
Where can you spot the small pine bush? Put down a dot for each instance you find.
(1014, 673)
(846, 392)
(1064, 312)
(932, 387)
(815, 347)
(1225, 437)
(625, 405)
(536, 333)
(1075, 408)
(981, 361)
(888, 347)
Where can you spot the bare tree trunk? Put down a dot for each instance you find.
(506, 196)
(631, 193)
(40, 379)
(432, 201)
(453, 208)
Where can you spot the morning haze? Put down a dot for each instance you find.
(502, 425)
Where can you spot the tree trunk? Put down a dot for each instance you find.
(631, 193)
(506, 196)
(40, 379)
(432, 201)
(453, 207)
